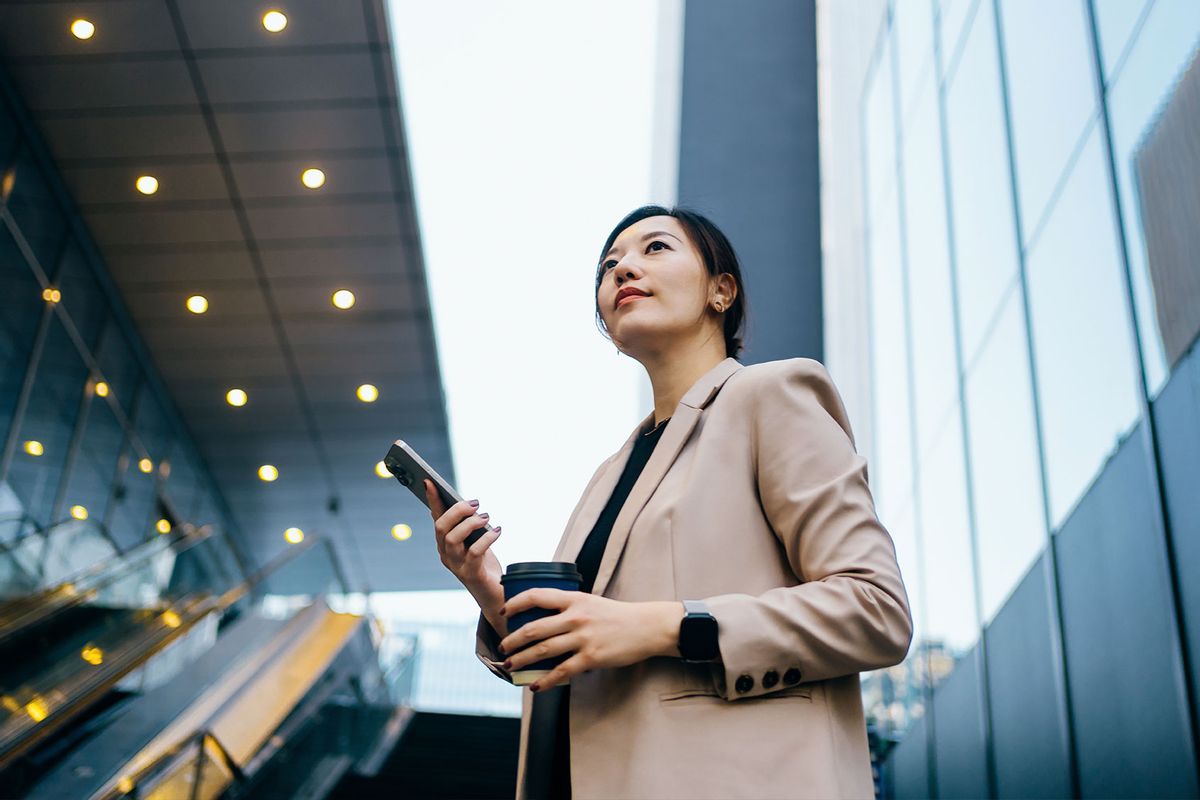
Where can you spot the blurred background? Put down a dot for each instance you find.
(244, 247)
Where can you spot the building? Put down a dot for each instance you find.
(1008, 204)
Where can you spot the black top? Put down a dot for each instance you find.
(588, 563)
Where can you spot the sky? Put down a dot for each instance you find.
(530, 130)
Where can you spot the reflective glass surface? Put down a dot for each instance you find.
(18, 324)
(1083, 348)
(912, 23)
(37, 215)
(1049, 62)
(1116, 21)
(928, 266)
(54, 405)
(1154, 117)
(985, 244)
(946, 545)
(1006, 479)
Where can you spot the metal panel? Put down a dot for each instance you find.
(958, 731)
(1177, 413)
(1029, 742)
(909, 764)
(1123, 659)
(748, 159)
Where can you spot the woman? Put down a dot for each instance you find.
(739, 499)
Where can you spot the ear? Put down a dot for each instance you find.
(725, 287)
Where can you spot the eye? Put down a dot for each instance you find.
(656, 241)
(611, 262)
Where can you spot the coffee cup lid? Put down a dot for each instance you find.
(525, 570)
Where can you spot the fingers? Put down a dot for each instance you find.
(540, 629)
(572, 666)
(539, 598)
(482, 544)
(436, 506)
(548, 648)
(462, 530)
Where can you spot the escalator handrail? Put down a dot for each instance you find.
(84, 584)
(73, 705)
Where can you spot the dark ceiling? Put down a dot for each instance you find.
(226, 115)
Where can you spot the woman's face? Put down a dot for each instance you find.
(656, 256)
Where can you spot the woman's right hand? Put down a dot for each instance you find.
(476, 567)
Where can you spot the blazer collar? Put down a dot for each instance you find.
(674, 437)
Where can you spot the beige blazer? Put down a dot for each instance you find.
(756, 502)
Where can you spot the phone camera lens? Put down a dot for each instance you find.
(404, 478)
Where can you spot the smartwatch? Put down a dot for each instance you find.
(698, 633)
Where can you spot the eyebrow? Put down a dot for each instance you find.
(650, 235)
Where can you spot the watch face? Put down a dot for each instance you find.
(698, 638)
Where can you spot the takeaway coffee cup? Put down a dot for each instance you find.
(525, 575)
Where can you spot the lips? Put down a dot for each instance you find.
(625, 293)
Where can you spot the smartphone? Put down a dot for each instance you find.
(411, 470)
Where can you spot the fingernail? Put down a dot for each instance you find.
(497, 528)
(533, 687)
(475, 503)
(503, 612)
(484, 515)
(508, 664)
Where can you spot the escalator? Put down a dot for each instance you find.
(191, 674)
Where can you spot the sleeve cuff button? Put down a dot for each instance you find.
(744, 684)
(769, 679)
(791, 677)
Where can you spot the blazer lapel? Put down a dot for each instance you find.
(674, 437)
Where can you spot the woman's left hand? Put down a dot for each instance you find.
(600, 631)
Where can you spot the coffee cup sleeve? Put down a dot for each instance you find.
(487, 649)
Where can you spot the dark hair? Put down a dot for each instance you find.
(714, 248)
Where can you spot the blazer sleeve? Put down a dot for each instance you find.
(850, 612)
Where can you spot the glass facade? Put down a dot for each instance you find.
(1030, 293)
(86, 431)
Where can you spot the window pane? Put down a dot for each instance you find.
(181, 484)
(35, 212)
(946, 546)
(1052, 93)
(118, 366)
(1115, 21)
(150, 425)
(81, 295)
(91, 478)
(879, 129)
(50, 421)
(892, 482)
(20, 314)
(912, 21)
(133, 501)
(1009, 518)
(984, 235)
(954, 16)
(930, 300)
(1155, 118)
(1081, 331)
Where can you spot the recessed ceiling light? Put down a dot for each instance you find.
(236, 397)
(274, 21)
(381, 470)
(34, 448)
(79, 512)
(145, 465)
(197, 304)
(147, 184)
(82, 29)
(101, 389)
(367, 393)
(294, 535)
(343, 298)
(268, 473)
(401, 532)
(163, 526)
(313, 178)
(51, 295)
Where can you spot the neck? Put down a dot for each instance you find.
(673, 373)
